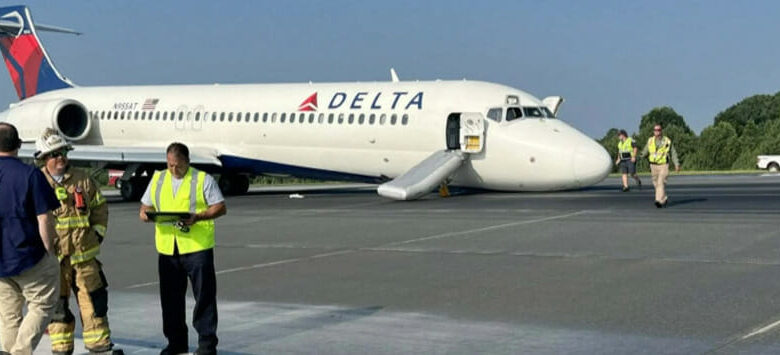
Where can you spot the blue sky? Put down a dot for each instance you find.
(612, 60)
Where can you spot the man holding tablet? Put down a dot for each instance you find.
(185, 244)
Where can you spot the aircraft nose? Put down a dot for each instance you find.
(592, 164)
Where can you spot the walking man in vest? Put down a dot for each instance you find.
(186, 248)
(81, 222)
(658, 150)
(626, 159)
(29, 271)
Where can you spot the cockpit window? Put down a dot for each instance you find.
(494, 114)
(513, 113)
(533, 112)
(548, 112)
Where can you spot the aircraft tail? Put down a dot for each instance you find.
(31, 69)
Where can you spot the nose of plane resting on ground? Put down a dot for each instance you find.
(592, 164)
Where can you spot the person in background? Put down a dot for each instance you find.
(658, 150)
(626, 159)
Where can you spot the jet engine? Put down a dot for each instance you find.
(67, 116)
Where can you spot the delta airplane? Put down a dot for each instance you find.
(408, 136)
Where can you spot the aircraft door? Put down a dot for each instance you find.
(453, 131)
(472, 132)
(179, 118)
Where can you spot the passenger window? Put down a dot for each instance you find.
(362, 118)
(165, 116)
(351, 118)
(197, 117)
(181, 116)
(341, 118)
(172, 115)
(371, 119)
(382, 119)
(405, 119)
(265, 117)
(122, 115)
(238, 117)
(311, 118)
(247, 116)
(157, 116)
(330, 118)
(135, 115)
(273, 117)
(292, 117)
(256, 117)
(321, 118)
(283, 117)
(393, 119)
(513, 113)
(221, 117)
(494, 114)
(213, 117)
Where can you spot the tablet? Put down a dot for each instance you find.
(168, 216)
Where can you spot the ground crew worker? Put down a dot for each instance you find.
(658, 150)
(81, 222)
(186, 248)
(626, 159)
(29, 271)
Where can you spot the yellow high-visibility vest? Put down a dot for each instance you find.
(189, 198)
(625, 147)
(659, 155)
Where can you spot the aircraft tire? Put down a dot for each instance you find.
(234, 184)
(133, 189)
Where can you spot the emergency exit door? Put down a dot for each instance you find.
(453, 131)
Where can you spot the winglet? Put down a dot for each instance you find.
(393, 76)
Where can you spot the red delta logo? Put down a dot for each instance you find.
(309, 104)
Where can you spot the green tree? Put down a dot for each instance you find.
(717, 148)
(757, 109)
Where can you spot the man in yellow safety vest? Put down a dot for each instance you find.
(626, 159)
(658, 150)
(81, 223)
(185, 248)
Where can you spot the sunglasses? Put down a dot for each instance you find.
(61, 153)
(658, 130)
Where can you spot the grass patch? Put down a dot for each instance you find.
(701, 172)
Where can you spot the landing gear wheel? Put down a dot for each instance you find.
(133, 189)
(234, 184)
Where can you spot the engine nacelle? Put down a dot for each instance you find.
(67, 116)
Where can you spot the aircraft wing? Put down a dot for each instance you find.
(127, 155)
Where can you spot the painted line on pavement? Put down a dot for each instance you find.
(350, 251)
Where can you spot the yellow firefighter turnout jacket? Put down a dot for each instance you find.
(78, 228)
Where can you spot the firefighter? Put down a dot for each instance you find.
(81, 223)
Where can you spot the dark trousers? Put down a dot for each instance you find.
(174, 270)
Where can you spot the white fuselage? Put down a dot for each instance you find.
(528, 154)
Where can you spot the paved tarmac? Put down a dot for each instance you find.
(579, 272)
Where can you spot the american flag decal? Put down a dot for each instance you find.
(150, 104)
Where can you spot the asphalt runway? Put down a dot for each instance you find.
(579, 272)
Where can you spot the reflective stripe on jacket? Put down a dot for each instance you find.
(626, 147)
(77, 230)
(189, 198)
(659, 155)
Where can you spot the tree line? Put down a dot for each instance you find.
(738, 134)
